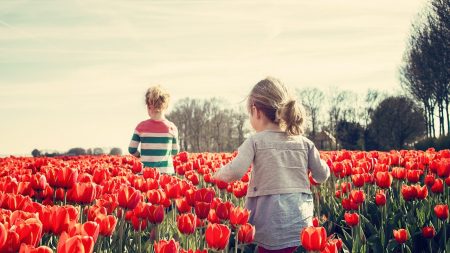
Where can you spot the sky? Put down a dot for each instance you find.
(74, 73)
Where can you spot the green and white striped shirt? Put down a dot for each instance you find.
(159, 142)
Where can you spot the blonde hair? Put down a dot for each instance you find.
(274, 99)
(157, 97)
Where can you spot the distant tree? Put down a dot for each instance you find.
(98, 151)
(425, 73)
(312, 99)
(350, 135)
(396, 121)
(89, 151)
(76, 151)
(115, 151)
(35, 153)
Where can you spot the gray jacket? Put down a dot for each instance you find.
(280, 164)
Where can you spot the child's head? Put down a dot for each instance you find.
(271, 97)
(157, 99)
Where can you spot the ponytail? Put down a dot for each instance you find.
(291, 115)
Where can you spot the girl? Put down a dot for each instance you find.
(158, 136)
(278, 195)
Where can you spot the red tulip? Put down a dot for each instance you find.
(380, 199)
(441, 211)
(422, 191)
(401, 235)
(204, 195)
(83, 193)
(357, 196)
(358, 180)
(128, 197)
(240, 189)
(349, 204)
(315, 222)
(76, 243)
(29, 231)
(409, 192)
(444, 168)
(90, 228)
(3, 235)
(399, 173)
(239, 215)
(62, 177)
(187, 223)
(223, 210)
(173, 190)
(438, 186)
(24, 248)
(429, 179)
(212, 216)
(38, 182)
(383, 179)
(164, 246)
(182, 205)
(217, 236)
(107, 224)
(314, 238)
(352, 219)
(413, 176)
(202, 209)
(246, 233)
(428, 232)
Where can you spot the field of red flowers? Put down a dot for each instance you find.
(374, 202)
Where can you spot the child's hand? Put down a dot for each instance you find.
(137, 154)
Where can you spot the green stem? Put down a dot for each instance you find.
(236, 240)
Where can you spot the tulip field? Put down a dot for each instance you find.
(393, 201)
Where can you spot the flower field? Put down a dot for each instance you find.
(373, 202)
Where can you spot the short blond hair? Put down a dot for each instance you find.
(279, 105)
(157, 97)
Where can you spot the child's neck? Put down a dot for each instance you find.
(158, 116)
(271, 127)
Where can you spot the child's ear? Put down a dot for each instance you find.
(258, 113)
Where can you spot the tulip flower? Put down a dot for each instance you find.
(239, 215)
(240, 189)
(438, 186)
(401, 235)
(202, 209)
(246, 233)
(24, 248)
(383, 179)
(409, 192)
(82, 193)
(164, 246)
(217, 236)
(413, 176)
(399, 173)
(352, 219)
(380, 199)
(358, 180)
(187, 223)
(428, 232)
(107, 224)
(204, 195)
(3, 235)
(441, 211)
(76, 243)
(182, 205)
(357, 196)
(89, 228)
(128, 197)
(314, 238)
(223, 210)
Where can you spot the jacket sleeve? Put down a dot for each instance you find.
(236, 169)
(319, 168)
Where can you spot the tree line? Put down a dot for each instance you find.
(425, 72)
(208, 125)
(77, 151)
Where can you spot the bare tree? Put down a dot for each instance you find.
(312, 99)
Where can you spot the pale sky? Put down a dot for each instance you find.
(74, 73)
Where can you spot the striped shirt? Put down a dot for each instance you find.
(159, 142)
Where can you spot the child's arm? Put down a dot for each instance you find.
(319, 168)
(135, 140)
(236, 169)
